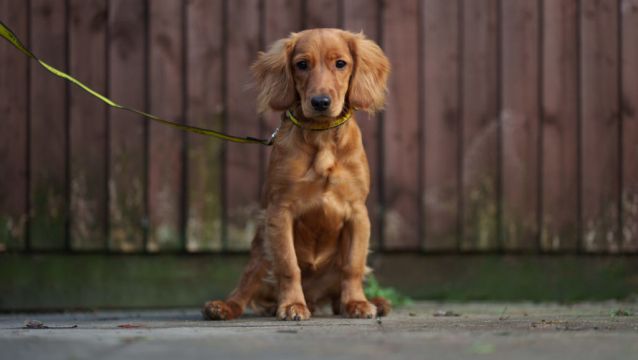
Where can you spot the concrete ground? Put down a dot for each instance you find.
(476, 330)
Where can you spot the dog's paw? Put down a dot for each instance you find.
(294, 311)
(359, 310)
(382, 304)
(220, 310)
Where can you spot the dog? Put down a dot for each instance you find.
(311, 247)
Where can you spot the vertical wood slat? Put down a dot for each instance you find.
(401, 196)
(600, 124)
(48, 141)
(520, 124)
(205, 109)
(14, 132)
(607, 155)
(242, 161)
(480, 125)
(126, 183)
(559, 226)
(87, 159)
(629, 113)
(165, 143)
(322, 13)
(441, 124)
(363, 15)
(280, 19)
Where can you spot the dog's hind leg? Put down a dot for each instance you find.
(250, 283)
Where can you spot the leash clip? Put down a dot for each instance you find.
(274, 134)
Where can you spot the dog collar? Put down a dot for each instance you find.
(322, 126)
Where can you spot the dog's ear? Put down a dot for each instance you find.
(273, 76)
(370, 74)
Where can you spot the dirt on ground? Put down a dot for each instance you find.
(424, 330)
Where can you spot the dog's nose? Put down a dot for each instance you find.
(320, 103)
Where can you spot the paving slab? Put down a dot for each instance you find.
(424, 330)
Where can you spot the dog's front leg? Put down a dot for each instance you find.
(355, 241)
(291, 301)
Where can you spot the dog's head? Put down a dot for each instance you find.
(323, 70)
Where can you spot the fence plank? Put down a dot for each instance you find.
(401, 130)
(520, 124)
(280, 17)
(205, 109)
(87, 160)
(127, 160)
(480, 125)
(629, 114)
(48, 142)
(14, 85)
(599, 151)
(441, 123)
(243, 161)
(363, 15)
(322, 14)
(165, 143)
(56, 162)
(559, 227)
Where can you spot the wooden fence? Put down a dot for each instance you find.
(510, 126)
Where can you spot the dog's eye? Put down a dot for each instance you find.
(340, 64)
(302, 65)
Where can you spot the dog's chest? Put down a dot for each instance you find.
(322, 190)
(324, 164)
(325, 180)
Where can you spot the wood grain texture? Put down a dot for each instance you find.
(401, 196)
(520, 124)
(322, 13)
(600, 124)
(127, 160)
(559, 178)
(165, 143)
(49, 141)
(441, 124)
(363, 15)
(280, 19)
(242, 161)
(480, 125)
(553, 87)
(629, 114)
(87, 160)
(14, 131)
(205, 109)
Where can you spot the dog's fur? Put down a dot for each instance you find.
(312, 246)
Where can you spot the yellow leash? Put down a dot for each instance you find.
(6, 33)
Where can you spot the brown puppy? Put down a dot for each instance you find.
(312, 246)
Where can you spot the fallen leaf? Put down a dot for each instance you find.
(549, 324)
(36, 324)
(445, 313)
(621, 312)
(130, 326)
